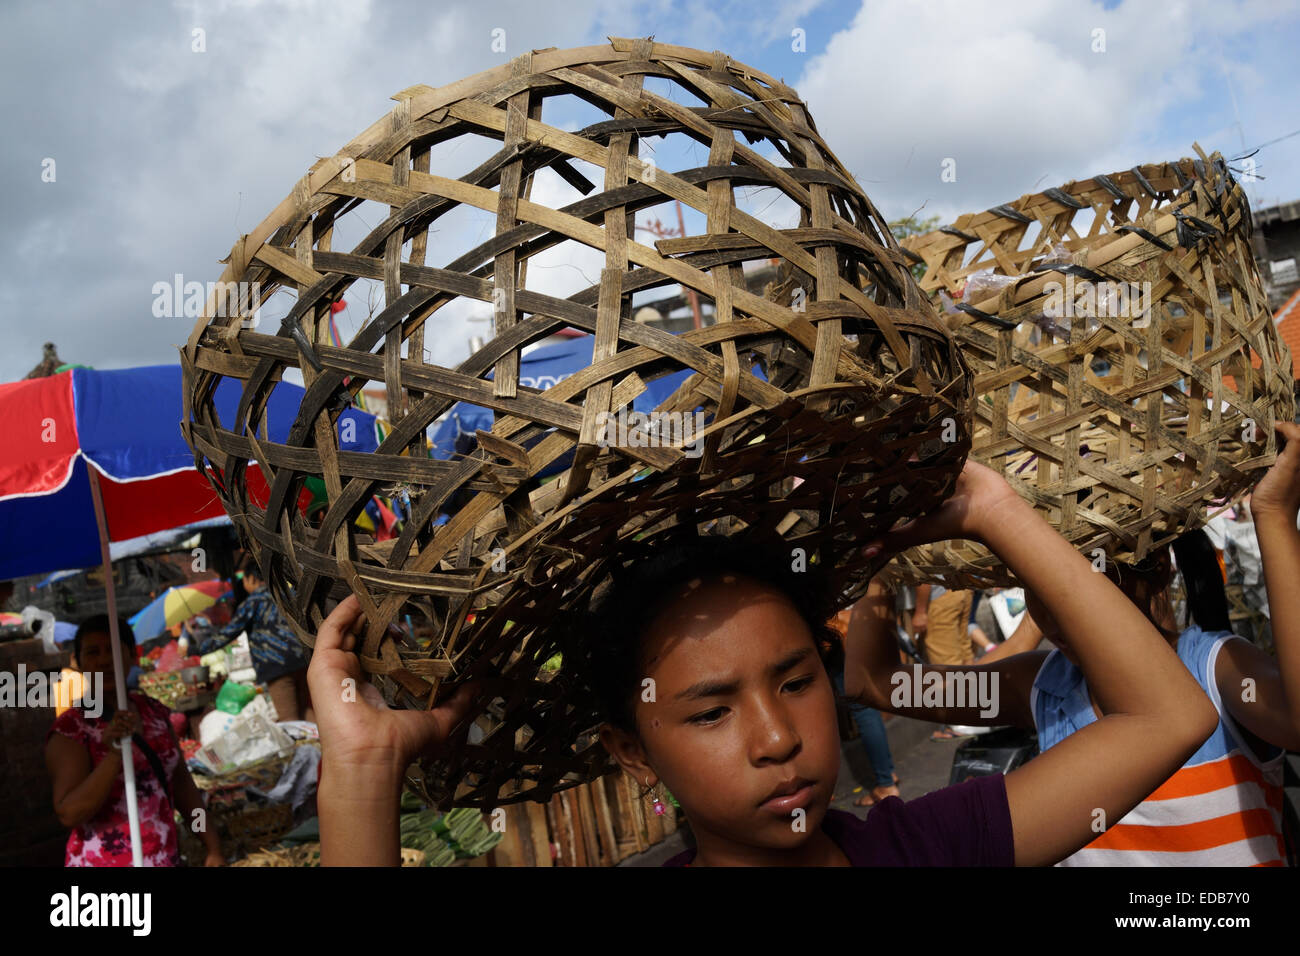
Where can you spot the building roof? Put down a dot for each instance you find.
(1288, 328)
(1282, 212)
(1287, 319)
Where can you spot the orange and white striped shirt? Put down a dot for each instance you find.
(1221, 808)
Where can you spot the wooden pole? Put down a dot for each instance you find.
(539, 833)
(128, 760)
(586, 810)
(606, 822)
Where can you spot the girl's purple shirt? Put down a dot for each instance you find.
(965, 825)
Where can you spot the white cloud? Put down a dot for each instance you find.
(165, 156)
(1013, 92)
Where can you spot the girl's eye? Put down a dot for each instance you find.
(708, 717)
(800, 683)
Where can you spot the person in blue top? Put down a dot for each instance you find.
(1223, 806)
(278, 656)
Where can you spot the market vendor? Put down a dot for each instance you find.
(278, 657)
(84, 757)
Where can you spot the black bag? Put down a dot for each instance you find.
(156, 763)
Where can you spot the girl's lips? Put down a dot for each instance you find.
(784, 805)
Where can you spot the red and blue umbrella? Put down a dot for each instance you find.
(124, 425)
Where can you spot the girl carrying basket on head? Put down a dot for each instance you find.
(743, 727)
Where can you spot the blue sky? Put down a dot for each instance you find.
(164, 155)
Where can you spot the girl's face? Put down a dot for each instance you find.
(742, 727)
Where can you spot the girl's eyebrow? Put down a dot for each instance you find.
(725, 686)
(709, 688)
(790, 661)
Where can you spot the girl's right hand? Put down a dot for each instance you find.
(357, 727)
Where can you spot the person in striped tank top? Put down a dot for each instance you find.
(1223, 807)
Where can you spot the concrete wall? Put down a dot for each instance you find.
(1277, 237)
(30, 832)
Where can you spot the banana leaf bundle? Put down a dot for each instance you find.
(445, 838)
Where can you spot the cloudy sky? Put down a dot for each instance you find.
(130, 156)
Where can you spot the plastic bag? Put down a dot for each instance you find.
(233, 696)
(1059, 256)
(170, 659)
(252, 736)
(41, 624)
(213, 725)
(983, 284)
(1009, 609)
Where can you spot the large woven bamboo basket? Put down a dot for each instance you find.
(829, 412)
(1128, 370)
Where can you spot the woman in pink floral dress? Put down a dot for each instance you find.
(85, 762)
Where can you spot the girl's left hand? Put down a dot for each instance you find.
(1278, 492)
(214, 859)
(980, 494)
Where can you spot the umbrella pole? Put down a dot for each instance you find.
(128, 759)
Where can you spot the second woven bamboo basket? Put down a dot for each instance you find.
(1128, 370)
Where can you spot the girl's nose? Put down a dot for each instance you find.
(775, 739)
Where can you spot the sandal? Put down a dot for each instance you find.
(869, 799)
(948, 733)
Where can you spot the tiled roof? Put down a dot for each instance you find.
(1287, 319)
(1288, 328)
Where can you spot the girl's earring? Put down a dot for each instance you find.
(658, 804)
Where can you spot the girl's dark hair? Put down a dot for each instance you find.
(99, 624)
(1146, 583)
(1207, 603)
(625, 605)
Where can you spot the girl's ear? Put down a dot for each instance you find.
(628, 752)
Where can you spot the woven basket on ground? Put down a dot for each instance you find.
(249, 826)
(1121, 424)
(860, 396)
(308, 854)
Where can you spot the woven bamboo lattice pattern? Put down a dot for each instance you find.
(830, 412)
(1248, 620)
(1128, 370)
